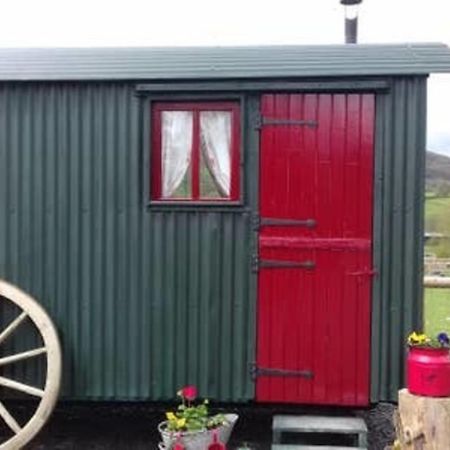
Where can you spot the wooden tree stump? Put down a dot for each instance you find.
(423, 423)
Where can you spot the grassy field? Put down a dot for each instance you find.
(437, 219)
(437, 311)
(436, 208)
(437, 301)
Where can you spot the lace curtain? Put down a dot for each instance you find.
(215, 129)
(176, 149)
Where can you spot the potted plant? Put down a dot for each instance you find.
(428, 365)
(192, 427)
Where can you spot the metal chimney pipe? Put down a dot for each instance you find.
(351, 31)
(351, 20)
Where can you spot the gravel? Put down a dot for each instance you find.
(125, 426)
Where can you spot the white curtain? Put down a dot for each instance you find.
(215, 129)
(176, 149)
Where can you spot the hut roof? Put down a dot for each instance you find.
(209, 63)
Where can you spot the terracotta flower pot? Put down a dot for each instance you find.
(196, 440)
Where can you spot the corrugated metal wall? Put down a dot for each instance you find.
(148, 300)
(144, 301)
(398, 225)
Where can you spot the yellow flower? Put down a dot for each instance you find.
(171, 416)
(417, 338)
(422, 338)
(181, 423)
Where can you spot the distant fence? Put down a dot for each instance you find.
(436, 267)
(437, 282)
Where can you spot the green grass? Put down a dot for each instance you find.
(437, 311)
(437, 301)
(437, 208)
(437, 219)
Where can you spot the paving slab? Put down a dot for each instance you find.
(319, 424)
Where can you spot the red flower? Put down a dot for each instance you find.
(189, 392)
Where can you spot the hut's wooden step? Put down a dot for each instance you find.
(306, 426)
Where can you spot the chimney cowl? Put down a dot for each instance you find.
(350, 2)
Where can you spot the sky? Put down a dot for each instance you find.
(99, 23)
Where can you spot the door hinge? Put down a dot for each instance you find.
(256, 372)
(274, 222)
(255, 263)
(258, 222)
(258, 264)
(279, 264)
(257, 121)
(260, 121)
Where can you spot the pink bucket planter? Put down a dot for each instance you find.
(429, 371)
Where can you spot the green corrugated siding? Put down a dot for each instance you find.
(144, 301)
(398, 240)
(147, 300)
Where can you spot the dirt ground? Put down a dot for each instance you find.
(123, 426)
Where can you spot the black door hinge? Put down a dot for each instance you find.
(256, 372)
(256, 222)
(275, 222)
(260, 121)
(258, 264)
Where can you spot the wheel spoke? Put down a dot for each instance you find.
(29, 318)
(9, 419)
(17, 386)
(24, 355)
(12, 326)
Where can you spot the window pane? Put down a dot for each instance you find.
(176, 145)
(215, 161)
(208, 187)
(184, 188)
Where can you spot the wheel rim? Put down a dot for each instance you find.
(51, 350)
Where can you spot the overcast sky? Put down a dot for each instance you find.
(68, 23)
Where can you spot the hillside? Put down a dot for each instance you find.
(438, 174)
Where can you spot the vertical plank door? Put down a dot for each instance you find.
(315, 248)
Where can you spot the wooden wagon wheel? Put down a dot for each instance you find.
(51, 350)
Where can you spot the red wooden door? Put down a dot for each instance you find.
(315, 248)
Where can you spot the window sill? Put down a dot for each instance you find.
(207, 206)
